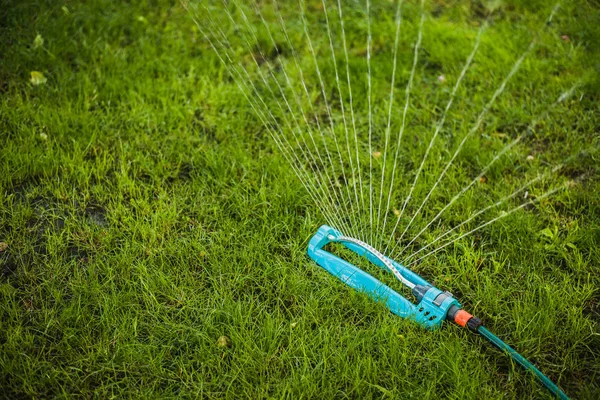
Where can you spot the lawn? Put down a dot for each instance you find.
(153, 236)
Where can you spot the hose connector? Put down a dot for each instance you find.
(464, 319)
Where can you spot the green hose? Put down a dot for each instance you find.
(551, 386)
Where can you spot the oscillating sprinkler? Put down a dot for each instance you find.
(433, 307)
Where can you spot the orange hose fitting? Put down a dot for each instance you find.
(462, 317)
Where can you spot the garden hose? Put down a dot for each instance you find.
(474, 324)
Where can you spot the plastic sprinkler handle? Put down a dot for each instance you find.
(433, 304)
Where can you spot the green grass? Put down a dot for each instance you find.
(145, 213)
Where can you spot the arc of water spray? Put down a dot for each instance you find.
(289, 108)
(389, 122)
(461, 144)
(339, 4)
(273, 131)
(505, 149)
(482, 211)
(304, 86)
(298, 102)
(405, 111)
(337, 80)
(442, 121)
(369, 90)
(299, 68)
(503, 215)
(327, 106)
(478, 122)
(283, 145)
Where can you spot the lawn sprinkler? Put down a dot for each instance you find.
(433, 305)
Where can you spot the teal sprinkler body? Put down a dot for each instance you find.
(434, 306)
